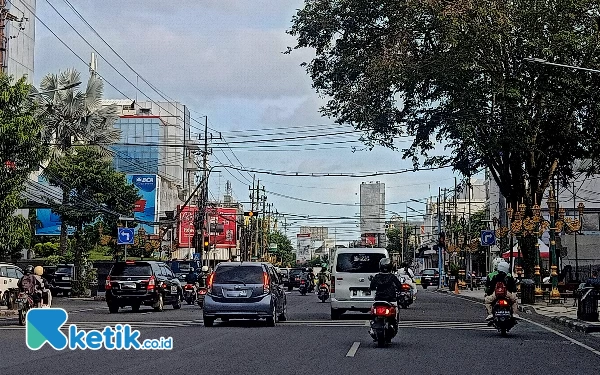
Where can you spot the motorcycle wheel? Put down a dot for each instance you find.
(380, 339)
(22, 314)
(189, 301)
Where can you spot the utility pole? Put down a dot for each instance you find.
(439, 237)
(575, 238)
(256, 221)
(262, 229)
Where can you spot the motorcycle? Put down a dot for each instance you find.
(384, 324)
(201, 295)
(189, 293)
(503, 319)
(24, 303)
(405, 297)
(323, 292)
(303, 288)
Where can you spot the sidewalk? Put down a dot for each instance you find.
(5, 312)
(563, 313)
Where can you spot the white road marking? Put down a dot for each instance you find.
(353, 349)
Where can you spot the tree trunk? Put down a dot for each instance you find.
(63, 228)
(78, 285)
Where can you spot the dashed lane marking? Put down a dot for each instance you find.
(353, 349)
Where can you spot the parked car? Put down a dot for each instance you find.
(244, 290)
(148, 283)
(294, 278)
(350, 284)
(430, 276)
(62, 278)
(9, 278)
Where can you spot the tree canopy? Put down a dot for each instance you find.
(455, 73)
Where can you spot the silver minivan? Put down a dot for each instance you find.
(350, 285)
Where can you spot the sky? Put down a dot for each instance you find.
(223, 59)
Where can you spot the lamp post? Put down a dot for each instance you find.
(580, 209)
(552, 205)
(69, 86)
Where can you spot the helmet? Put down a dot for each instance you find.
(503, 267)
(495, 263)
(385, 265)
(39, 270)
(310, 270)
(204, 268)
(29, 270)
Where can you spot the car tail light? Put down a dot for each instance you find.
(202, 291)
(332, 284)
(302, 281)
(405, 287)
(503, 302)
(383, 311)
(130, 262)
(151, 283)
(107, 286)
(266, 283)
(209, 282)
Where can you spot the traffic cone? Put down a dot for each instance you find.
(456, 288)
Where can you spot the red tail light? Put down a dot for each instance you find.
(323, 285)
(503, 302)
(151, 283)
(202, 291)
(189, 286)
(383, 311)
(405, 287)
(130, 262)
(209, 282)
(332, 284)
(266, 283)
(163, 285)
(107, 286)
(302, 282)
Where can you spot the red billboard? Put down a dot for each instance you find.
(186, 225)
(223, 227)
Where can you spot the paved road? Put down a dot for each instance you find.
(439, 334)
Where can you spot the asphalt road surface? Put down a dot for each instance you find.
(439, 334)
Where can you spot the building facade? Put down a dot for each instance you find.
(372, 213)
(17, 38)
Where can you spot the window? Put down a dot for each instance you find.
(63, 269)
(137, 269)
(239, 275)
(359, 262)
(11, 272)
(3, 272)
(19, 273)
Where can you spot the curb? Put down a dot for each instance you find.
(576, 324)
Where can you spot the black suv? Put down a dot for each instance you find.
(136, 283)
(62, 278)
(294, 276)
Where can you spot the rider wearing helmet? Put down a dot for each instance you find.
(502, 275)
(409, 277)
(203, 276)
(385, 284)
(31, 284)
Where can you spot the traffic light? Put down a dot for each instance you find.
(250, 213)
(206, 242)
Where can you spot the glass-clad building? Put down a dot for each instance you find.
(138, 150)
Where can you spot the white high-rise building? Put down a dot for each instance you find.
(18, 41)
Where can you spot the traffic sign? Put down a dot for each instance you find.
(125, 236)
(488, 238)
(196, 256)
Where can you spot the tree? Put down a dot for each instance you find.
(285, 250)
(454, 73)
(75, 118)
(21, 152)
(395, 240)
(95, 190)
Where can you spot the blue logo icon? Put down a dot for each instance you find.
(125, 236)
(44, 326)
(145, 182)
(488, 238)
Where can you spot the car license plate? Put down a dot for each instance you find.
(66, 278)
(503, 313)
(361, 293)
(174, 289)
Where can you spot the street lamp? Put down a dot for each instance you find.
(69, 86)
(546, 62)
(552, 204)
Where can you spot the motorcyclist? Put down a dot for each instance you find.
(46, 294)
(409, 277)
(203, 276)
(386, 284)
(323, 277)
(191, 277)
(31, 285)
(502, 275)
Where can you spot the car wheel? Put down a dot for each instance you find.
(272, 320)
(135, 307)
(335, 314)
(283, 315)
(160, 303)
(209, 322)
(66, 294)
(177, 304)
(113, 308)
(290, 288)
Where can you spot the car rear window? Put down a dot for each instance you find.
(429, 272)
(295, 272)
(182, 267)
(63, 270)
(238, 275)
(359, 262)
(137, 269)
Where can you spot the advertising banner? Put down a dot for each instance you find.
(146, 208)
(48, 222)
(304, 249)
(223, 227)
(186, 225)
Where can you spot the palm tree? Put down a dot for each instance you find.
(75, 118)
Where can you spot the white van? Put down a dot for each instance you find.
(9, 279)
(350, 284)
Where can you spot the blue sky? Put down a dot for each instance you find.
(223, 59)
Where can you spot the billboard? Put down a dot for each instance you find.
(223, 227)
(186, 225)
(316, 233)
(48, 222)
(372, 208)
(304, 249)
(146, 208)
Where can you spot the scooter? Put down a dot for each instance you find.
(303, 288)
(405, 297)
(384, 322)
(189, 293)
(503, 319)
(201, 294)
(323, 292)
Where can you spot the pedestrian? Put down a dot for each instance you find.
(593, 280)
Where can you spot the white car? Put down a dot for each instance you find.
(9, 279)
(350, 284)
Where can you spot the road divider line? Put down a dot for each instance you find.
(353, 349)
(576, 342)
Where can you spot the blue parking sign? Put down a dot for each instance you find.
(488, 238)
